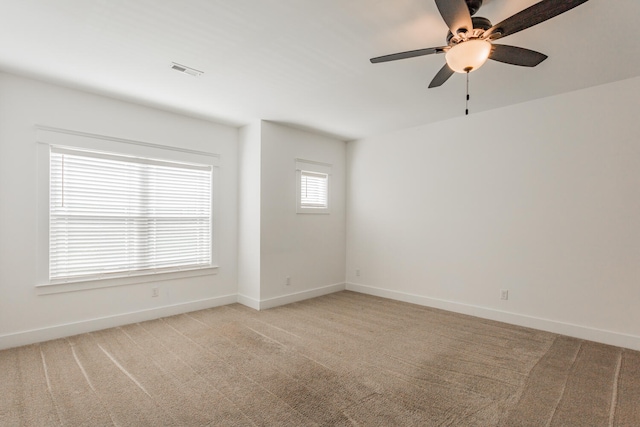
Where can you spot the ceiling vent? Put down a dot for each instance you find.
(186, 70)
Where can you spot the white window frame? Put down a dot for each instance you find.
(48, 137)
(313, 167)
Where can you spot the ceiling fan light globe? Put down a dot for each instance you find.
(468, 56)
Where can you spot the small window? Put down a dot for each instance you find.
(313, 189)
(112, 215)
(313, 186)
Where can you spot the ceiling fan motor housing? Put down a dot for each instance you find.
(479, 23)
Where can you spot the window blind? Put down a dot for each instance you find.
(113, 215)
(313, 189)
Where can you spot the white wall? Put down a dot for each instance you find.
(249, 158)
(27, 316)
(541, 198)
(308, 248)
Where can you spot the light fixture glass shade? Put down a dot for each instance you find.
(468, 56)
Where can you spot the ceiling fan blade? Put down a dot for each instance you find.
(539, 12)
(409, 54)
(516, 55)
(442, 76)
(455, 14)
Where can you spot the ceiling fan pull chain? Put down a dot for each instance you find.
(467, 105)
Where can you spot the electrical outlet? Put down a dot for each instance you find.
(357, 272)
(287, 281)
(155, 292)
(504, 294)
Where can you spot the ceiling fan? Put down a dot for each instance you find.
(470, 40)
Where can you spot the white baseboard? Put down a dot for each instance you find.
(249, 302)
(577, 331)
(59, 331)
(65, 330)
(300, 296)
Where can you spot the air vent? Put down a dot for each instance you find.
(185, 69)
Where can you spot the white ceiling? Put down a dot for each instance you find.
(305, 62)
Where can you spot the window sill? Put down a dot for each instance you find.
(322, 211)
(83, 285)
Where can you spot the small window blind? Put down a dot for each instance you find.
(113, 215)
(313, 189)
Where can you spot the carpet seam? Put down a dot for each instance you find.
(564, 386)
(46, 376)
(88, 380)
(124, 371)
(92, 336)
(614, 392)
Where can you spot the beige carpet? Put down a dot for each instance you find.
(339, 360)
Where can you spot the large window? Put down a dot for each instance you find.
(113, 215)
(114, 211)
